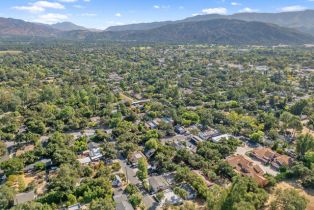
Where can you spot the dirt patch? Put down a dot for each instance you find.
(308, 194)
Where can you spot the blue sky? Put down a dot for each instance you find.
(103, 13)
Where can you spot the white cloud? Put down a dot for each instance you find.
(235, 4)
(78, 6)
(68, 1)
(248, 10)
(161, 6)
(118, 14)
(87, 0)
(51, 18)
(40, 6)
(88, 14)
(217, 10)
(293, 8)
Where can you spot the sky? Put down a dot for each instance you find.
(103, 13)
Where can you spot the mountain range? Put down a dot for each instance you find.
(242, 28)
(299, 20)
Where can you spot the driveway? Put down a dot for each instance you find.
(130, 173)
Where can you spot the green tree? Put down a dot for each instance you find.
(288, 199)
(305, 143)
(142, 172)
(6, 196)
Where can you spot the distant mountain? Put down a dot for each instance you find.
(14, 27)
(67, 26)
(216, 31)
(300, 20)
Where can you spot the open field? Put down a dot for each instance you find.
(10, 52)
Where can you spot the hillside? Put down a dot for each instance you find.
(301, 20)
(67, 26)
(218, 31)
(15, 27)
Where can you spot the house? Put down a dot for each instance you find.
(94, 152)
(191, 192)
(195, 140)
(74, 207)
(247, 168)
(281, 161)
(32, 167)
(205, 135)
(157, 183)
(179, 129)
(151, 125)
(149, 153)
(263, 154)
(21, 198)
(122, 202)
(133, 159)
(217, 139)
(117, 182)
(170, 198)
(85, 160)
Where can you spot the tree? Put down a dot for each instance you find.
(102, 204)
(12, 166)
(288, 199)
(257, 136)
(135, 199)
(3, 148)
(305, 143)
(142, 172)
(6, 196)
(152, 144)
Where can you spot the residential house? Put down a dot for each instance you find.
(133, 159)
(265, 155)
(281, 161)
(179, 129)
(122, 202)
(268, 156)
(170, 198)
(247, 168)
(157, 183)
(191, 192)
(195, 140)
(217, 139)
(149, 153)
(117, 182)
(94, 152)
(21, 198)
(85, 160)
(74, 207)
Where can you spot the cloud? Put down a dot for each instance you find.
(161, 6)
(51, 18)
(235, 4)
(88, 15)
(292, 8)
(68, 1)
(40, 6)
(87, 0)
(217, 10)
(248, 10)
(78, 6)
(118, 14)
